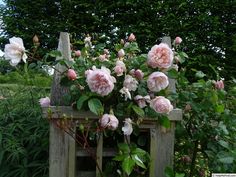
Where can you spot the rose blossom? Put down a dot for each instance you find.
(160, 56)
(15, 51)
(109, 121)
(121, 53)
(77, 53)
(141, 101)
(138, 74)
(100, 81)
(131, 37)
(157, 81)
(127, 128)
(102, 58)
(119, 68)
(125, 92)
(71, 74)
(44, 102)
(178, 40)
(130, 83)
(219, 84)
(161, 105)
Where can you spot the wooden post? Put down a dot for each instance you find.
(62, 148)
(162, 140)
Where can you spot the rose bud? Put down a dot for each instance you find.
(71, 74)
(178, 40)
(77, 53)
(219, 84)
(131, 37)
(121, 53)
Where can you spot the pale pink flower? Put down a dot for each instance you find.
(77, 53)
(15, 51)
(119, 68)
(121, 53)
(71, 74)
(131, 37)
(127, 128)
(124, 91)
(109, 121)
(100, 81)
(157, 81)
(161, 105)
(178, 40)
(219, 84)
(106, 51)
(138, 74)
(44, 102)
(130, 83)
(141, 101)
(160, 56)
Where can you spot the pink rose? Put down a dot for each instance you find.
(109, 121)
(121, 53)
(131, 37)
(141, 101)
(127, 128)
(44, 102)
(119, 68)
(106, 51)
(124, 91)
(157, 81)
(71, 74)
(160, 56)
(161, 105)
(100, 81)
(138, 74)
(102, 58)
(178, 40)
(77, 53)
(219, 84)
(130, 83)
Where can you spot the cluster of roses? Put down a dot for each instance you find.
(101, 81)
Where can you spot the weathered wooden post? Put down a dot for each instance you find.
(63, 151)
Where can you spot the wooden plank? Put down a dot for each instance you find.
(58, 112)
(86, 174)
(99, 153)
(153, 151)
(107, 152)
(62, 146)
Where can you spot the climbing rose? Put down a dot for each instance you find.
(141, 101)
(131, 37)
(44, 102)
(119, 68)
(138, 74)
(100, 81)
(160, 56)
(178, 40)
(130, 83)
(157, 81)
(121, 53)
(219, 84)
(109, 121)
(15, 51)
(71, 74)
(161, 105)
(127, 128)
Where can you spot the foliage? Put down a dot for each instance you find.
(205, 139)
(210, 40)
(23, 132)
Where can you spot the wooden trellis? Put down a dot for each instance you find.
(63, 151)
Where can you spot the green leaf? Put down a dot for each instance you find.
(128, 165)
(220, 108)
(139, 152)
(169, 172)
(226, 160)
(95, 106)
(120, 157)
(138, 161)
(164, 121)
(55, 53)
(139, 111)
(123, 147)
(81, 101)
(224, 144)
(172, 73)
(200, 74)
